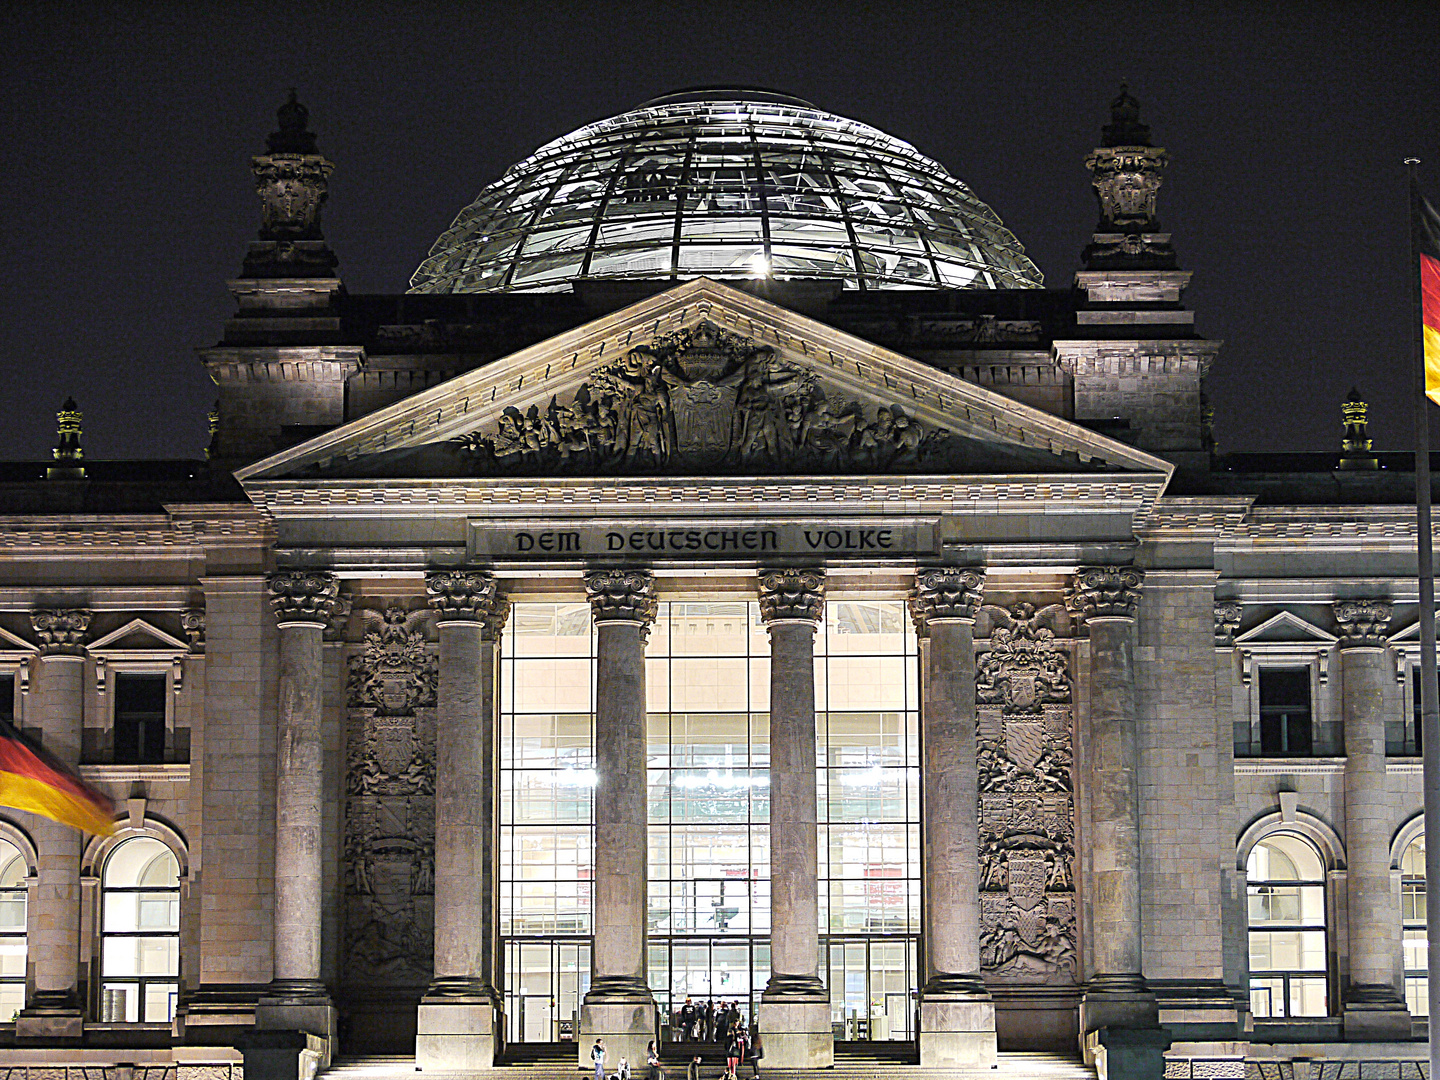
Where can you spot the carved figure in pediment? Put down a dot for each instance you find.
(700, 399)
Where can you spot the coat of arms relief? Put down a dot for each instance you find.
(1027, 803)
(706, 399)
(390, 800)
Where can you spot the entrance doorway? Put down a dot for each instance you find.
(545, 981)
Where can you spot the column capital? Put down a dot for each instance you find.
(303, 596)
(1105, 592)
(792, 594)
(61, 631)
(1362, 622)
(621, 595)
(468, 596)
(946, 592)
(1227, 621)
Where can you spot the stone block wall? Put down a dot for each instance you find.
(1181, 836)
(237, 883)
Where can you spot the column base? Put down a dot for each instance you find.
(1204, 1009)
(1127, 1054)
(794, 1022)
(301, 1005)
(957, 1024)
(1118, 1001)
(622, 1012)
(51, 1014)
(1374, 1014)
(459, 1027)
(282, 1055)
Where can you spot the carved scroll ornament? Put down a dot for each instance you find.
(621, 595)
(792, 594)
(301, 596)
(61, 630)
(1101, 592)
(945, 593)
(1362, 622)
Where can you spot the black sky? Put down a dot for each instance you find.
(128, 130)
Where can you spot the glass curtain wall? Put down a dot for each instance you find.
(867, 723)
(708, 691)
(708, 684)
(547, 776)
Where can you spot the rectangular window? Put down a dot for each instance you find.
(1285, 727)
(139, 719)
(1414, 744)
(7, 699)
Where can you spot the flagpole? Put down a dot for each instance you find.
(1429, 676)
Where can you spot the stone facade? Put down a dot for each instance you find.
(1101, 607)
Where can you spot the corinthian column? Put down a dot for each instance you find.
(794, 1008)
(296, 998)
(58, 701)
(1374, 1006)
(957, 1014)
(1106, 597)
(460, 1021)
(619, 1006)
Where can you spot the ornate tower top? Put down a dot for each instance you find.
(294, 136)
(1125, 128)
(1126, 171)
(68, 452)
(291, 178)
(1355, 444)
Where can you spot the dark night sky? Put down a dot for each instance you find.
(128, 130)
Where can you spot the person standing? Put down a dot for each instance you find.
(732, 1053)
(692, 1071)
(597, 1055)
(757, 1050)
(652, 1058)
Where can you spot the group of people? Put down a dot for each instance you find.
(708, 1022)
(693, 1022)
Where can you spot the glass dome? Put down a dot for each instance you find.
(726, 184)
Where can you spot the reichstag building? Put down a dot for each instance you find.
(729, 574)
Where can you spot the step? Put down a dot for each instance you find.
(1011, 1066)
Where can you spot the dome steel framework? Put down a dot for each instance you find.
(726, 184)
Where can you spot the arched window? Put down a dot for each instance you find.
(140, 933)
(1287, 928)
(1412, 915)
(12, 931)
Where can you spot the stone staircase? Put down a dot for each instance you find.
(853, 1061)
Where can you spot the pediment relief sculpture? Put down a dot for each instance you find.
(705, 399)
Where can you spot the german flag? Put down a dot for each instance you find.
(32, 778)
(1427, 242)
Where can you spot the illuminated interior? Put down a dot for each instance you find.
(728, 184)
(708, 691)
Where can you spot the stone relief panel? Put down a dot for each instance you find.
(705, 399)
(390, 801)
(1027, 804)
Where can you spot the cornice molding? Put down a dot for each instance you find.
(1049, 494)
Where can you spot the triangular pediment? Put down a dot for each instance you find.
(705, 380)
(1285, 629)
(1408, 635)
(138, 636)
(14, 643)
